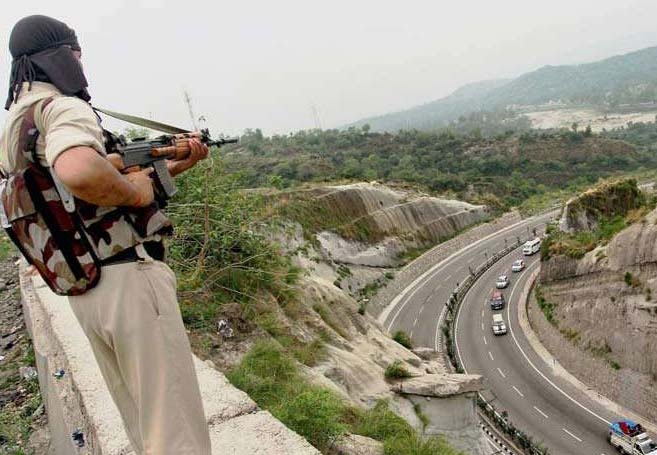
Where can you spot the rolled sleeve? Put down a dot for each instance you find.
(70, 122)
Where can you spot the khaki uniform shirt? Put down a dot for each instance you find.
(69, 122)
(65, 123)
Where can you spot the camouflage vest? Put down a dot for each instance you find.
(66, 242)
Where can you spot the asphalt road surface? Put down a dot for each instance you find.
(545, 407)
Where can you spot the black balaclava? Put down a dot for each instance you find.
(42, 50)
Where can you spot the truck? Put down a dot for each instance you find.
(629, 437)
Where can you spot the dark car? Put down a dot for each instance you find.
(497, 300)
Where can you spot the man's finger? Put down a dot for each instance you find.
(116, 160)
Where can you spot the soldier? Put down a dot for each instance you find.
(131, 317)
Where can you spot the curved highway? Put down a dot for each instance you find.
(416, 310)
(546, 408)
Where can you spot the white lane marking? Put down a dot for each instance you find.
(471, 260)
(421, 310)
(501, 373)
(519, 392)
(515, 340)
(415, 322)
(485, 341)
(434, 270)
(482, 326)
(490, 354)
(482, 314)
(448, 277)
(411, 335)
(541, 412)
(578, 439)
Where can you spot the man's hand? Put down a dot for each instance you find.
(197, 151)
(144, 185)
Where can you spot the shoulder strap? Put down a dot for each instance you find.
(29, 133)
(139, 121)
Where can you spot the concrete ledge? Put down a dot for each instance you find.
(79, 400)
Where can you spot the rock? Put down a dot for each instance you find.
(224, 329)
(353, 444)
(426, 353)
(434, 368)
(28, 373)
(439, 385)
(417, 363)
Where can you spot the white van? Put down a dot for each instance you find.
(531, 246)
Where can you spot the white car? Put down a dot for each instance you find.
(502, 282)
(518, 266)
(499, 327)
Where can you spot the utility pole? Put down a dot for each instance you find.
(316, 119)
(188, 101)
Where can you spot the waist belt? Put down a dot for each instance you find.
(154, 250)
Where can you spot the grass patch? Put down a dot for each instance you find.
(17, 415)
(546, 307)
(7, 249)
(396, 371)
(402, 338)
(397, 435)
(271, 378)
(571, 335)
(329, 319)
(421, 415)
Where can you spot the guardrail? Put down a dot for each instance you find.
(519, 438)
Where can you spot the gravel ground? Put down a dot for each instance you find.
(23, 421)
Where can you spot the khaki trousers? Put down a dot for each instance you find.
(133, 323)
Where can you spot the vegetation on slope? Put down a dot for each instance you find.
(612, 205)
(272, 380)
(500, 172)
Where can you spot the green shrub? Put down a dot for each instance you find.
(315, 414)
(396, 371)
(615, 365)
(416, 445)
(631, 280)
(546, 307)
(402, 338)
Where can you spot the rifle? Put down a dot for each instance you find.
(145, 152)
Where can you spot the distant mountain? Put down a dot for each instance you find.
(628, 78)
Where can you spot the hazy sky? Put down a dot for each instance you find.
(250, 64)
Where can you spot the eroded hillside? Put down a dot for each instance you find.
(596, 288)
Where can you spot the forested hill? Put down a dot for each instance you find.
(503, 171)
(629, 78)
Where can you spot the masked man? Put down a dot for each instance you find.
(131, 316)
